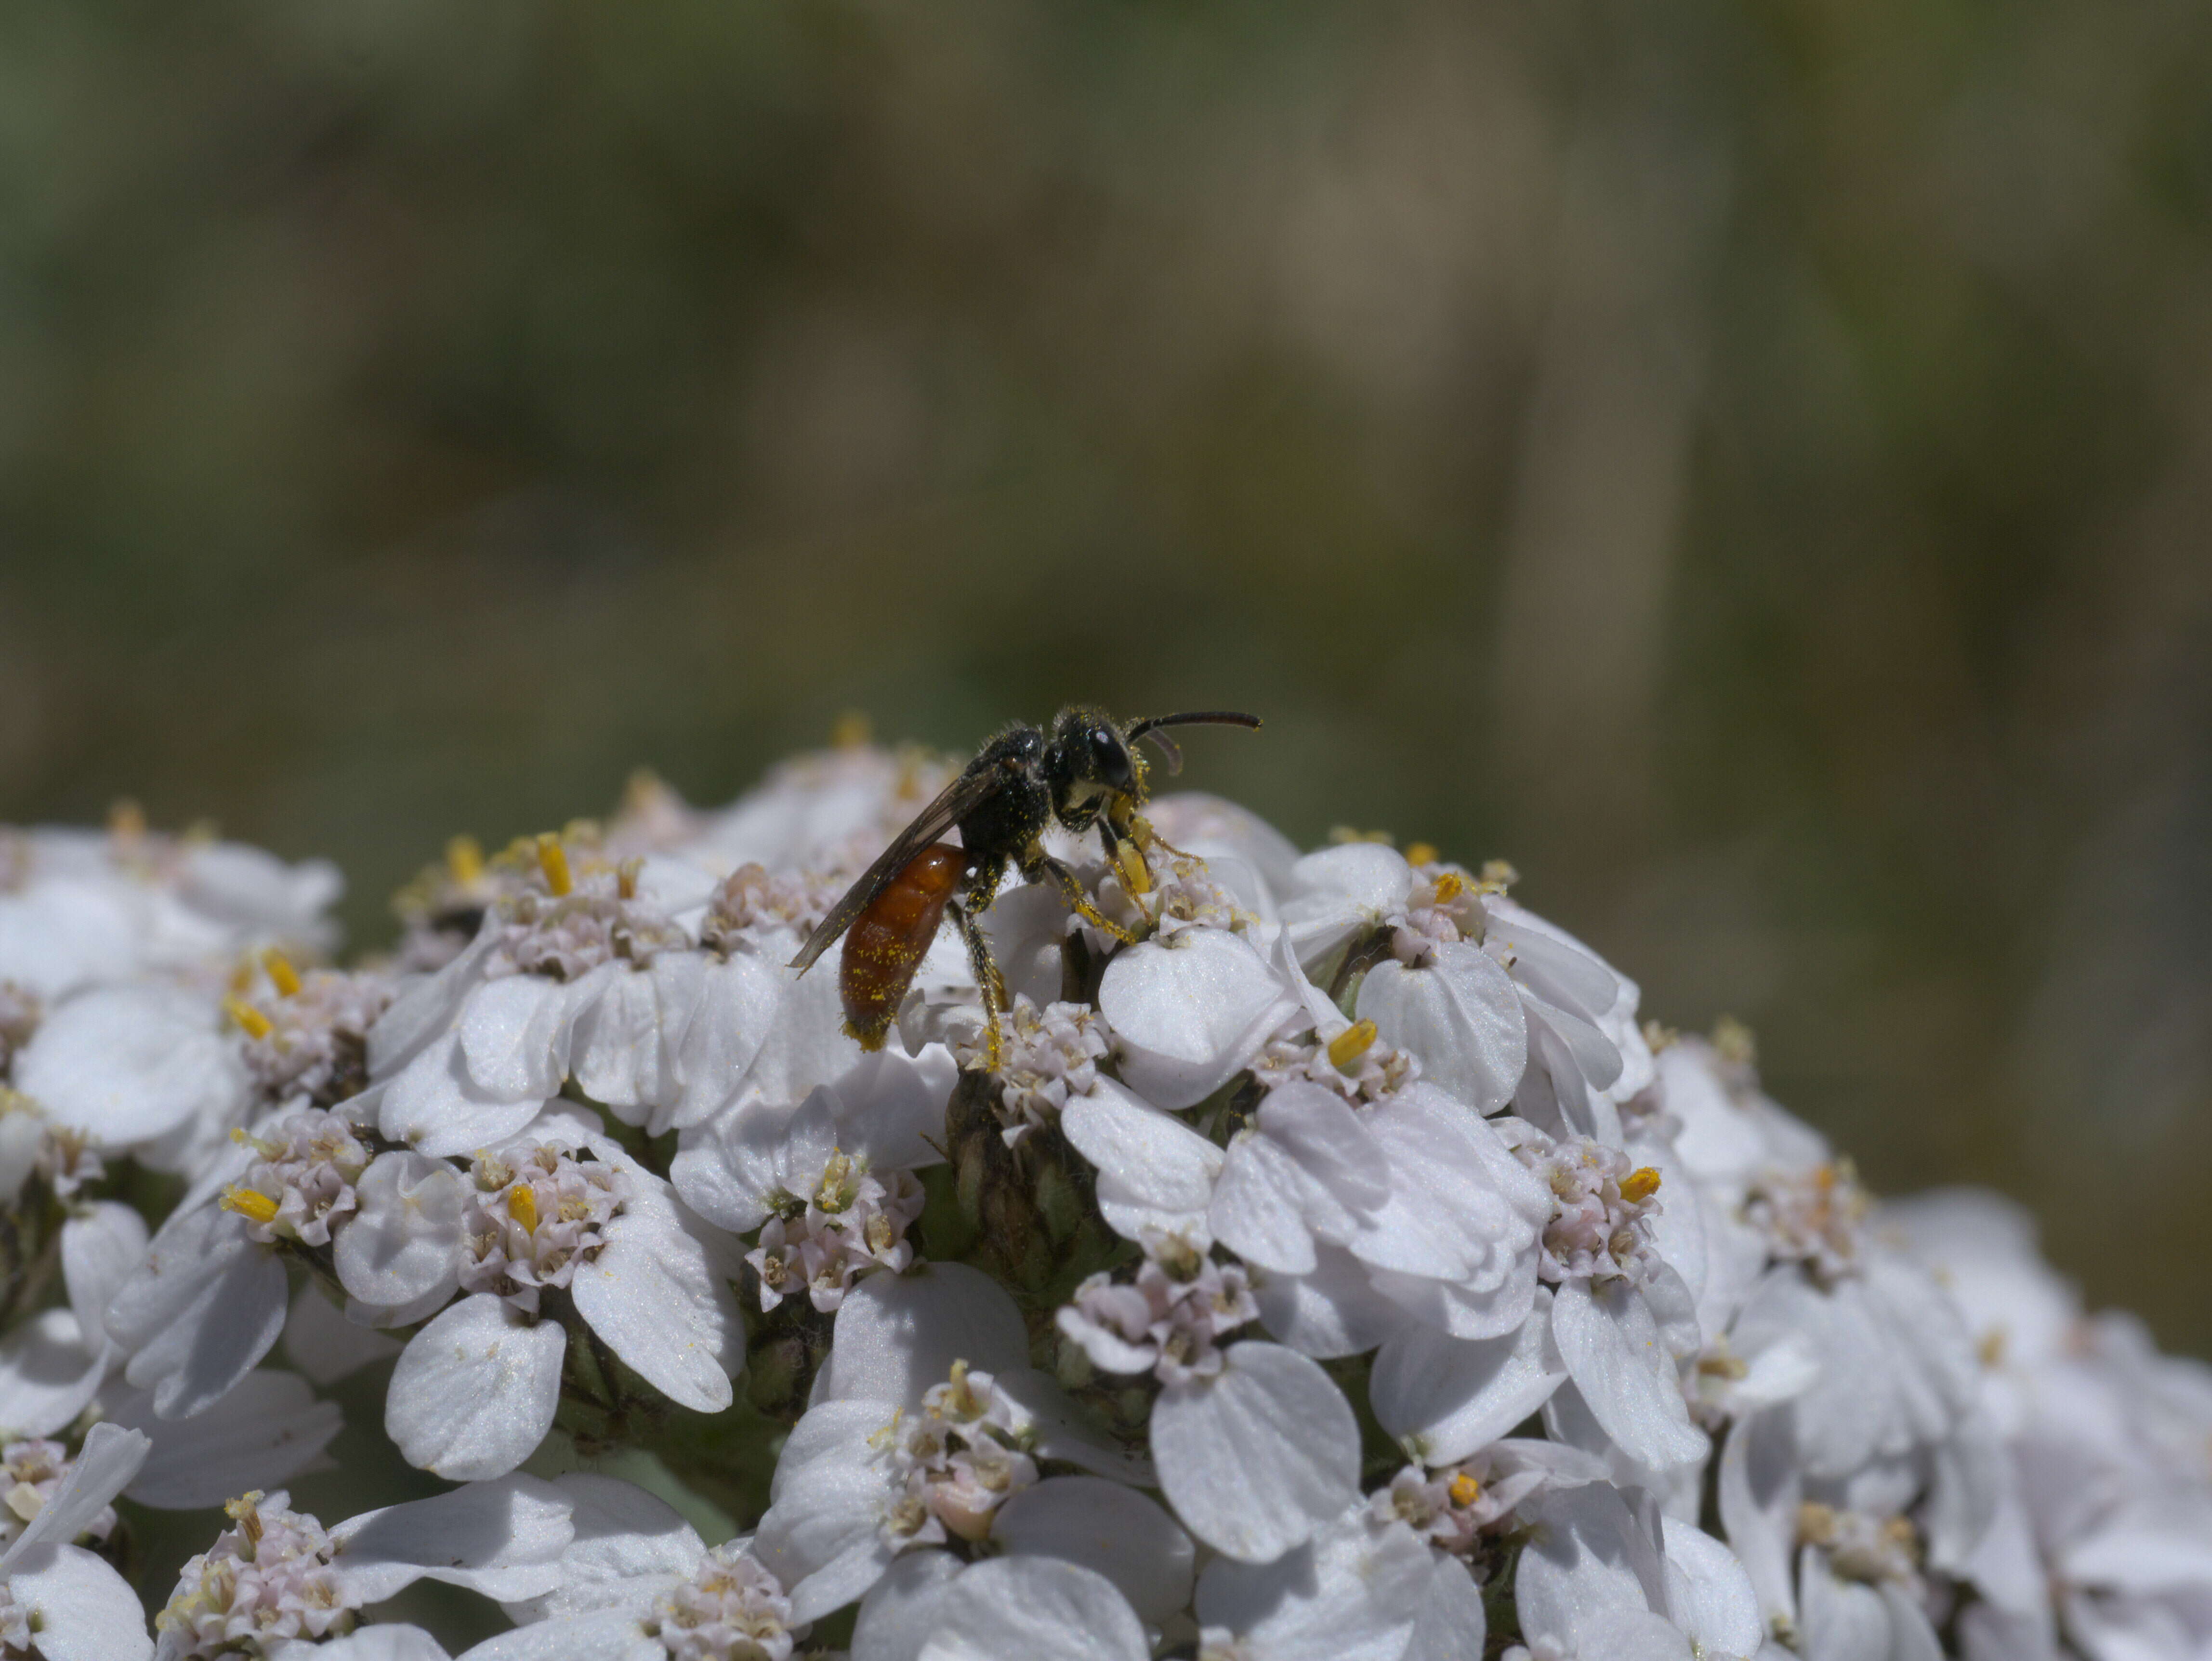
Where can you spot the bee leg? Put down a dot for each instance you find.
(992, 983)
(1041, 867)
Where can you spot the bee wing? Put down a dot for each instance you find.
(954, 802)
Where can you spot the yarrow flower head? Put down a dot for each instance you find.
(266, 1578)
(301, 1185)
(535, 1214)
(1269, 1163)
(731, 1608)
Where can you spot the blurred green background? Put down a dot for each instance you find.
(1747, 461)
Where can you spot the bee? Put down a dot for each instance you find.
(1085, 773)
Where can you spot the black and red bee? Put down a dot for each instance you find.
(1086, 773)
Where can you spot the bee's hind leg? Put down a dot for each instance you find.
(1042, 867)
(988, 980)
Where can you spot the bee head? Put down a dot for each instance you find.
(1088, 761)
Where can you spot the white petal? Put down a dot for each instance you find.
(1105, 1527)
(1259, 1210)
(434, 1104)
(900, 1610)
(424, 1011)
(823, 1533)
(737, 1004)
(1587, 1555)
(1720, 1610)
(404, 1242)
(1150, 1158)
(1460, 1014)
(1445, 1397)
(47, 1375)
(1759, 1488)
(126, 1064)
(108, 1460)
(514, 1039)
(890, 1106)
(1333, 1311)
(897, 1334)
(84, 1610)
(624, 1539)
(1613, 1350)
(203, 1308)
(501, 1538)
(323, 1345)
(657, 1294)
(601, 1635)
(1451, 1623)
(1844, 1622)
(804, 1045)
(1035, 1608)
(475, 1391)
(261, 1435)
(1256, 1459)
(1188, 1011)
(1334, 894)
(1351, 1593)
(100, 1247)
(58, 934)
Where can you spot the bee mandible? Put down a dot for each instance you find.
(1086, 774)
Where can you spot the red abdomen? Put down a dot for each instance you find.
(887, 941)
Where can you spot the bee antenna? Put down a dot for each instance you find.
(1150, 729)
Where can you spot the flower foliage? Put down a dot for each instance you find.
(1326, 1262)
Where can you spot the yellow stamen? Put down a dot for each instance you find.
(281, 974)
(1735, 1042)
(851, 730)
(242, 1511)
(1421, 853)
(553, 860)
(1129, 861)
(1639, 1185)
(1465, 1490)
(522, 1206)
(626, 878)
(257, 1025)
(126, 820)
(1449, 886)
(249, 1202)
(465, 861)
(1349, 1045)
(1498, 875)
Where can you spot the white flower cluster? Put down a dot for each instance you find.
(1325, 1262)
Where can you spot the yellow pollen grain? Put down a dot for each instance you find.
(1639, 1185)
(126, 819)
(1449, 886)
(851, 730)
(1129, 861)
(1465, 1490)
(1349, 1045)
(257, 1025)
(1421, 853)
(522, 1206)
(553, 860)
(249, 1202)
(465, 861)
(281, 974)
